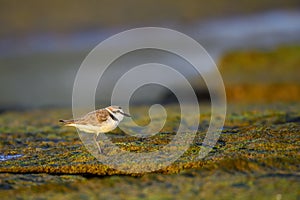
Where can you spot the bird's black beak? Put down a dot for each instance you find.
(125, 114)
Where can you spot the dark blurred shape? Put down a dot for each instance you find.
(201, 94)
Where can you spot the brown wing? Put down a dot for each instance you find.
(94, 118)
(102, 115)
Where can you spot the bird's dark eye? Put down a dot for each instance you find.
(120, 107)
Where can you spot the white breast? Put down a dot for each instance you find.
(104, 127)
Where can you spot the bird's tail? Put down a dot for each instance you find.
(67, 122)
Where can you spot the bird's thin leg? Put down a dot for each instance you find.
(95, 140)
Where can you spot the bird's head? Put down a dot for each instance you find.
(117, 112)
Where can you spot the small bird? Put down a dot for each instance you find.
(98, 121)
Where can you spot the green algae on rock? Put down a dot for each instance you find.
(251, 141)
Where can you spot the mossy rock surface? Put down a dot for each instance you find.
(259, 146)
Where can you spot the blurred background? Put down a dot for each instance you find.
(42, 44)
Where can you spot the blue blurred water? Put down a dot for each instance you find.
(9, 157)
